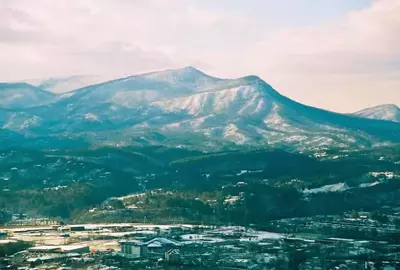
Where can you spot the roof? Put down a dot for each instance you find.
(155, 244)
(131, 243)
(44, 258)
(173, 252)
(73, 247)
(61, 248)
(38, 248)
(52, 257)
(341, 239)
(161, 241)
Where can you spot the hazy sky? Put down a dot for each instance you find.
(342, 55)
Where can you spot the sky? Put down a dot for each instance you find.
(341, 55)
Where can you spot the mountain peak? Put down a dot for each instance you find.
(251, 79)
(381, 106)
(188, 72)
(389, 112)
(191, 69)
(22, 95)
(388, 106)
(188, 76)
(22, 87)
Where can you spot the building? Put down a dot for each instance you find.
(161, 245)
(77, 228)
(136, 249)
(63, 229)
(173, 256)
(133, 249)
(3, 235)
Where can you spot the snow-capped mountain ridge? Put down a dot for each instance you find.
(187, 107)
(190, 76)
(388, 112)
(147, 87)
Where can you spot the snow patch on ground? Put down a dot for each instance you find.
(16, 123)
(276, 121)
(66, 95)
(196, 123)
(339, 187)
(91, 117)
(232, 132)
(387, 175)
(243, 100)
(365, 185)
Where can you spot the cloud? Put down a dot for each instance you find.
(102, 36)
(367, 38)
(105, 36)
(355, 62)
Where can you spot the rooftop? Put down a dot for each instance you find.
(161, 241)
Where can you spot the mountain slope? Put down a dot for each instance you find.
(22, 95)
(388, 112)
(67, 84)
(187, 108)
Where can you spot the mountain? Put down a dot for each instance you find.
(388, 112)
(187, 108)
(67, 84)
(22, 95)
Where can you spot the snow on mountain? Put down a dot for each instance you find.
(388, 112)
(187, 107)
(22, 95)
(231, 131)
(241, 100)
(132, 91)
(18, 122)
